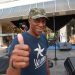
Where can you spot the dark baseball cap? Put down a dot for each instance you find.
(37, 13)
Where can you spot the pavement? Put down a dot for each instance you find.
(2, 52)
(58, 65)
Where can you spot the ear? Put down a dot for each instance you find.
(30, 21)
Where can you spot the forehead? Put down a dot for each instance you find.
(40, 19)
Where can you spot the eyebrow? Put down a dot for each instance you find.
(39, 19)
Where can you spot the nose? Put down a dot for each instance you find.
(41, 24)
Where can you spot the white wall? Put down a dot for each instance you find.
(63, 34)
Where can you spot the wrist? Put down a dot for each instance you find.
(12, 71)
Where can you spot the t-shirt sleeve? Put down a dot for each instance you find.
(11, 46)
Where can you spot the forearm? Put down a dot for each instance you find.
(47, 67)
(48, 71)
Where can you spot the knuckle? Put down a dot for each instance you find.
(16, 46)
(20, 64)
(14, 52)
(25, 65)
(26, 47)
(27, 53)
(26, 59)
(13, 58)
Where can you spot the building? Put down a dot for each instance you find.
(14, 10)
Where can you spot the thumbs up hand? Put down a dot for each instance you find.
(20, 54)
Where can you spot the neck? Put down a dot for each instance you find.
(30, 32)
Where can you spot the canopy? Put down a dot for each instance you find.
(57, 22)
(54, 23)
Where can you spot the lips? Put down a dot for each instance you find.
(39, 30)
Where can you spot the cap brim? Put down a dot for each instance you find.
(39, 16)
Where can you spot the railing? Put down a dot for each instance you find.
(8, 34)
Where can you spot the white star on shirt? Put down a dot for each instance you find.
(39, 50)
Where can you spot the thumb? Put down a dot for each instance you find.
(20, 39)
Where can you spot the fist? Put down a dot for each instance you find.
(20, 54)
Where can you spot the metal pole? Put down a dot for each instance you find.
(55, 58)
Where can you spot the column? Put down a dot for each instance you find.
(1, 39)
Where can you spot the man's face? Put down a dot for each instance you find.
(37, 25)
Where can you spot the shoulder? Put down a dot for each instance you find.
(25, 34)
(12, 45)
(43, 35)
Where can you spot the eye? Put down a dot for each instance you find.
(43, 21)
(38, 20)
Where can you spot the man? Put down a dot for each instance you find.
(28, 51)
(24, 27)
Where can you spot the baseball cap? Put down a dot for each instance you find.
(37, 13)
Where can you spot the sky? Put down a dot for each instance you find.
(21, 2)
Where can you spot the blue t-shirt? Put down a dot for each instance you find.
(37, 62)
